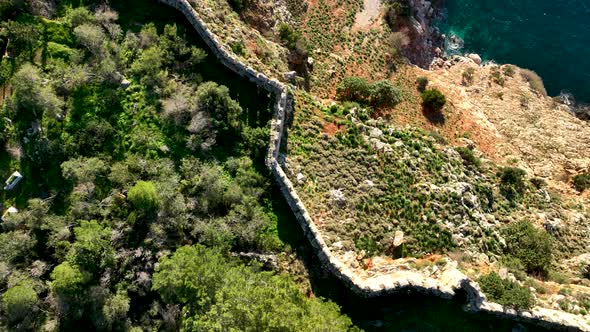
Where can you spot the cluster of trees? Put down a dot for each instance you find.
(220, 295)
(378, 94)
(127, 155)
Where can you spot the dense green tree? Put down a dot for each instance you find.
(190, 276)
(68, 279)
(216, 101)
(143, 195)
(354, 89)
(385, 93)
(261, 302)
(82, 170)
(92, 37)
(20, 302)
(220, 296)
(433, 100)
(115, 311)
(24, 37)
(78, 16)
(31, 97)
(148, 66)
(92, 250)
(531, 246)
(15, 246)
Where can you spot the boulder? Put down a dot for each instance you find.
(475, 57)
(398, 238)
(290, 75)
(376, 132)
(300, 178)
(338, 196)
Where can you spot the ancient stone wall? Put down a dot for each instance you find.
(451, 281)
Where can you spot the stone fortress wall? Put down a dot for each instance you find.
(451, 282)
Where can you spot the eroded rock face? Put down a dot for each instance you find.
(264, 15)
(425, 40)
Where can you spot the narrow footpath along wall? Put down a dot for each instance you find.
(451, 282)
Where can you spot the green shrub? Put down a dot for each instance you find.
(237, 5)
(384, 93)
(434, 100)
(238, 48)
(534, 80)
(531, 246)
(512, 184)
(507, 293)
(20, 301)
(497, 76)
(468, 157)
(581, 181)
(358, 89)
(422, 83)
(143, 195)
(467, 76)
(367, 244)
(508, 70)
(538, 183)
(289, 36)
(354, 88)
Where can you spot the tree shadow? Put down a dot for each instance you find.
(433, 116)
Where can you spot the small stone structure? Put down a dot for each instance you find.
(451, 281)
(13, 181)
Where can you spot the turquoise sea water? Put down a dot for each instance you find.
(551, 37)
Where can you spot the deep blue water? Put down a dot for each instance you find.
(551, 37)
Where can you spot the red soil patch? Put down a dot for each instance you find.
(331, 129)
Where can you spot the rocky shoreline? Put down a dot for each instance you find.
(431, 49)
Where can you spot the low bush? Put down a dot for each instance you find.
(505, 292)
(508, 70)
(468, 157)
(422, 83)
(238, 48)
(288, 35)
(581, 181)
(467, 76)
(237, 5)
(497, 76)
(512, 184)
(531, 246)
(538, 183)
(433, 100)
(534, 80)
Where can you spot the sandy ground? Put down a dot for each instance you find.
(365, 18)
